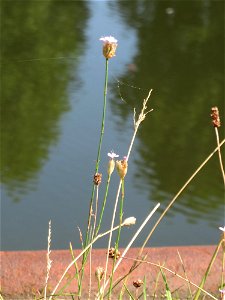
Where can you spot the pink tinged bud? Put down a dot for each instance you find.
(121, 166)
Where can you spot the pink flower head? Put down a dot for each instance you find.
(222, 291)
(108, 39)
(112, 155)
(109, 46)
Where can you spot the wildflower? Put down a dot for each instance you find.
(112, 155)
(109, 46)
(99, 272)
(122, 166)
(111, 164)
(137, 283)
(215, 116)
(97, 178)
(113, 253)
(129, 221)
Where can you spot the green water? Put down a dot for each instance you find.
(52, 92)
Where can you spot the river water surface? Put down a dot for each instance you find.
(52, 88)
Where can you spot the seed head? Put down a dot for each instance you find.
(215, 116)
(113, 253)
(97, 178)
(137, 283)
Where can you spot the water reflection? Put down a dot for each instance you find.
(181, 56)
(35, 81)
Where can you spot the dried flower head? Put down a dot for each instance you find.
(121, 166)
(99, 272)
(113, 253)
(109, 46)
(215, 116)
(129, 221)
(97, 178)
(137, 283)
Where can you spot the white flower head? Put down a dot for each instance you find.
(129, 221)
(108, 39)
(112, 155)
(222, 228)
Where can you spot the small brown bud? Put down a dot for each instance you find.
(215, 116)
(97, 178)
(113, 253)
(137, 283)
(121, 166)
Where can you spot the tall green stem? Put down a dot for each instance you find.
(96, 169)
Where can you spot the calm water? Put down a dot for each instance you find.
(52, 91)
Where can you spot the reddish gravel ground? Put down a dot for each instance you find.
(23, 273)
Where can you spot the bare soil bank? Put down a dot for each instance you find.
(23, 272)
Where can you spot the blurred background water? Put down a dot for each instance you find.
(52, 95)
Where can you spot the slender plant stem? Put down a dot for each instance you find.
(178, 194)
(172, 272)
(137, 123)
(82, 252)
(103, 205)
(118, 238)
(130, 243)
(110, 235)
(219, 154)
(207, 271)
(96, 167)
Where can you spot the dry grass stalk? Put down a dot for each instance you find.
(49, 261)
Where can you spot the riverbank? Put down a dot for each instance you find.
(23, 272)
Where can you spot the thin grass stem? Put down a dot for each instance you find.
(174, 273)
(81, 253)
(198, 293)
(103, 205)
(219, 154)
(131, 242)
(118, 238)
(179, 192)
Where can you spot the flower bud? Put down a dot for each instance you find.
(121, 166)
(109, 46)
(111, 166)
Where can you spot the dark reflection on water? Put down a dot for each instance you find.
(181, 56)
(34, 81)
